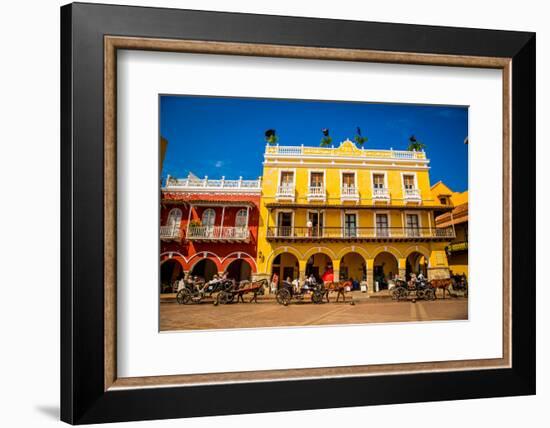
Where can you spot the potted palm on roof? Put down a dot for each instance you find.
(327, 139)
(415, 145)
(271, 137)
(359, 139)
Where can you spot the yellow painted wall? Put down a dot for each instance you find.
(333, 169)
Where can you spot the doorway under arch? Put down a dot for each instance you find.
(285, 265)
(416, 263)
(205, 268)
(239, 270)
(385, 268)
(170, 271)
(353, 267)
(317, 265)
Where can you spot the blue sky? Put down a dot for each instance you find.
(218, 136)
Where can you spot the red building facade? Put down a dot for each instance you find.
(208, 227)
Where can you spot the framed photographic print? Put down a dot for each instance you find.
(283, 213)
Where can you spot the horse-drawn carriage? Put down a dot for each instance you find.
(195, 289)
(256, 288)
(288, 291)
(417, 288)
(455, 286)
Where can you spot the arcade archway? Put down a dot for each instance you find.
(170, 271)
(353, 267)
(239, 270)
(317, 265)
(385, 268)
(416, 263)
(285, 265)
(204, 268)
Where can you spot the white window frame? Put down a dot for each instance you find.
(343, 220)
(213, 218)
(388, 214)
(292, 170)
(345, 171)
(324, 178)
(322, 212)
(384, 173)
(245, 217)
(291, 211)
(177, 219)
(403, 174)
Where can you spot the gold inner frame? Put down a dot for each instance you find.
(113, 43)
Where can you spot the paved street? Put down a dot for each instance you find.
(267, 313)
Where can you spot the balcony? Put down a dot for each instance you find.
(380, 194)
(349, 193)
(346, 149)
(340, 234)
(170, 233)
(205, 185)
(218, 233)
(412, 195)
(316, 194)
(285, 193)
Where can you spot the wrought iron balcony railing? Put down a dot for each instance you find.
(218, 233)
(170, 233)
(358, 233)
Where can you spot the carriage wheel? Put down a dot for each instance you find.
(420, 294)
(223, 297)
(184, 296)
(396, 294)
(429, 294)
(317, 297)
(283, 296)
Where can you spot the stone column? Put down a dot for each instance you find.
(402, 269)
(370, 275)
(302, 267)
(438, 267)
(336, 270)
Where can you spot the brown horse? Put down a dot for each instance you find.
(337, 287)
(442, 283)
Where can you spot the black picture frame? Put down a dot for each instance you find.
(83, 399)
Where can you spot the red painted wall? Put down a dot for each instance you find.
(187, 253)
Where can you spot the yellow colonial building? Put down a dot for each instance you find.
(364, 214)
(457, 250)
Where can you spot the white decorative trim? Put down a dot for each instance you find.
(343, 217)
(369, 166)
(203, 257)
(387, 249)
(412, 212)
(354, 249)
(325, 250)
(240, 253)
(281, 250)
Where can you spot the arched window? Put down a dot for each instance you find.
(174, 217)
(241, 220)
(208, 217)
